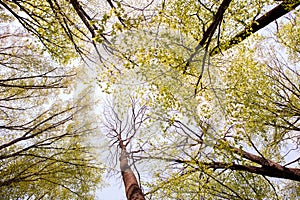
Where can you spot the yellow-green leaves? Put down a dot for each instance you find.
(42, 155)
(288, 35)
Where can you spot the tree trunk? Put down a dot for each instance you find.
(132, 189)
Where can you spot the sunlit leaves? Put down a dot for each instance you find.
(246, 101)
(41, 150)
(288, 35)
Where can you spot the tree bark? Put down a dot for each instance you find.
(276, 171)
(132, 188)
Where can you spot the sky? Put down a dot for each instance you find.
(115, 191)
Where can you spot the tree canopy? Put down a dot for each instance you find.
(206, 97)
(41, 150)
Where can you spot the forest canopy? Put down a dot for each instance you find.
(191, 99)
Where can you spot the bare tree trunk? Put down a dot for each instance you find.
(132, 189)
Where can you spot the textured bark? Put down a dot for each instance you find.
(276, 171)
(132, 188)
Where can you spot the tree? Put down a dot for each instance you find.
(69, 28)
(226, 104)
(229, 122)
(41, 150)
(121, 133)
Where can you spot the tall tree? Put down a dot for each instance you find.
(121, 133)
(229, 122)
(42, 152)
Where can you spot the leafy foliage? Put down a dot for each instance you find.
(222, 97)
(41, 151)
(222, 119)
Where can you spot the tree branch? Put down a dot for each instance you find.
(277, 12)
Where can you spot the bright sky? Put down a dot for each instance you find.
(113, 192)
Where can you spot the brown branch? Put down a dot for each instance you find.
(207, 35)
(268, 167)
(271, 171)
(26, 136)
(121, 132)
(85, 19)
(277, 12)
